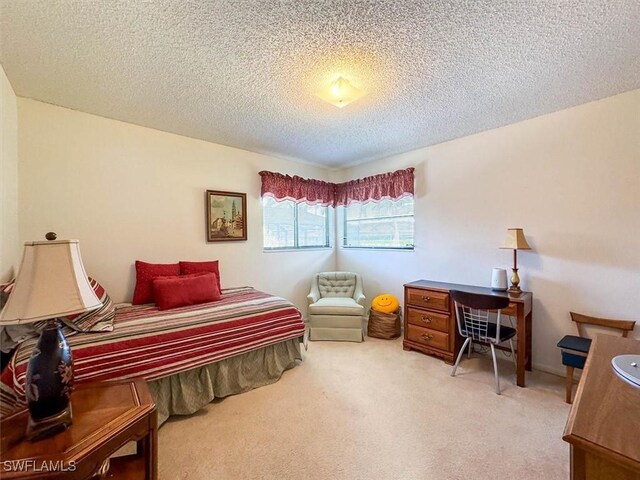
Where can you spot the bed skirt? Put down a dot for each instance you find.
(187, 392)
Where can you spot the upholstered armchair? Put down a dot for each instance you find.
(336, 307)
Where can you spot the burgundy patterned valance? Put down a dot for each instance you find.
(298, 189)
(392, 185)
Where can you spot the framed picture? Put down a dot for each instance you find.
(226, 216)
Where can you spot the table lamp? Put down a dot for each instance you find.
(515, 241)
(51, 283)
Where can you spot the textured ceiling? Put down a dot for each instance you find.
(245, 73)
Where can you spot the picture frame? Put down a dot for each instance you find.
(226, 214)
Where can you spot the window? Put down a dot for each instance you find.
(383, 224)
(290, 225)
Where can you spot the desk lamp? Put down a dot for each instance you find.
(515, 241)
(51, 283)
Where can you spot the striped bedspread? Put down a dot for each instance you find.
(150, 343)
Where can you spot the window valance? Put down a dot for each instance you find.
(298, 189)
(393, 185)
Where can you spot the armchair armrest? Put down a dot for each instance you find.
(311, 298)
(314, 294)
(358, 293)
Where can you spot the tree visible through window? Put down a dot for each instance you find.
(382, 224)
(287, 224)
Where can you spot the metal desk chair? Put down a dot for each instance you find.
(472, 314)
(575, 349)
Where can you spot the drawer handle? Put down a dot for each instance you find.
(427, 336)
(426, 319)
(426, 299)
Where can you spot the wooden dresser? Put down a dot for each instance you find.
(604, 423)
(430, 321)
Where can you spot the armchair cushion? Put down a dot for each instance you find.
(336, 284)
(336, 306)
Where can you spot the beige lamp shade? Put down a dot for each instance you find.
(51, 283)
(515, 240)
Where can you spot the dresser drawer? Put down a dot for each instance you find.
(428, 299)
(427, 336)
(422, 318)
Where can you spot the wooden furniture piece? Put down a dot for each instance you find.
(106, 416)
(430, 325)
(575, 349)
(604, 421)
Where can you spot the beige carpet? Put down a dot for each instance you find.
(374, 411)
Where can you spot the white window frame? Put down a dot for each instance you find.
(296, 234)
(345, 221)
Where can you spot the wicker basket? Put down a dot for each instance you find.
(384, 325)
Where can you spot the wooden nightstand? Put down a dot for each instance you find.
(106, 416)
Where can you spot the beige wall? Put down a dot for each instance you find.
(9, 243)
(571, 179)
(128, 193)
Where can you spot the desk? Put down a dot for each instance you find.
(106, 416)
(604, 421)
(430, 323)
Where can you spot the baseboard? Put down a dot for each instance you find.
(560, 372)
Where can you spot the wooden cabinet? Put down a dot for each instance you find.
(106, 416)
(604, 421)
(429, 321)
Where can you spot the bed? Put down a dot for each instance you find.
(189, 355)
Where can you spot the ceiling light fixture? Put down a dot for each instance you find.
(340, 93)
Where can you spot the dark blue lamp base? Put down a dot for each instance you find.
(48, 384)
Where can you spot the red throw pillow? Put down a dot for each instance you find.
(173, 292)
(187, 268)
(145, 273)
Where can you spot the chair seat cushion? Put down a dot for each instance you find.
(336, 306)
(578, 344)
(571, 343)
(575, 361)
(505, 332)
